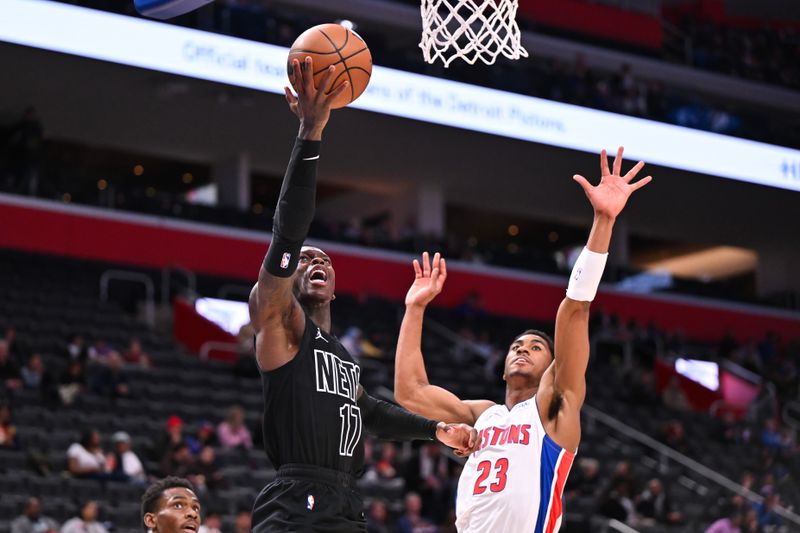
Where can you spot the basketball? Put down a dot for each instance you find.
(332, 44)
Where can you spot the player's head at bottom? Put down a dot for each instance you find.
(171, 505)
(315, 278)
(528, 357)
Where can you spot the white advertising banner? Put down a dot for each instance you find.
(187, 52)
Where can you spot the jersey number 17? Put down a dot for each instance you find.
(351, 429)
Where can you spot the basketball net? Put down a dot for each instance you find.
(471, 30)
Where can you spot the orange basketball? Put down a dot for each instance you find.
(332, 44)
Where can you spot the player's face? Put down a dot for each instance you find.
(528, 356)
(315, 278)
(178, 512)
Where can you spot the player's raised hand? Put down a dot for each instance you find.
(462, 438)
(429, 280)
(311, 105)
(609, 197)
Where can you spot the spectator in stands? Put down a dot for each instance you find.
(204, 472)
(32, 373)
(771, 437)
(428, 474)
(673, 396)
(768, 519)
(86, 458)
(135, 355)
(111, 379)
(243, 521)
(728, 524)
(16, 347)
(72, 383)
(8, 433)
(470, 311)
(178, 462)
(76, 349)
(386, 467)
(32, 521)
(617, 501)
(173, 435)
(586, 481)
(100, 351)
(206, 436)
(212, 523)
(86, 521)
(9, 370)
(35, 376)
(377, 517)
(123, 463)
(233, 433)
(674, 436)
(412, 521)
(655, 507)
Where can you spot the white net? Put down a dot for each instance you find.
(472, 30)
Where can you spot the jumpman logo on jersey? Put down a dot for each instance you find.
(319, 335)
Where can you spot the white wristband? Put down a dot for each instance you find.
(586, 274)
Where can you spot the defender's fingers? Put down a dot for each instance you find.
(426, 264)
(583, 182)
(618, 161)
(417, 269)
(632, 172)
(604, 163)
(641, 183)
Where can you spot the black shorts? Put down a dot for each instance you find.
(309, 498)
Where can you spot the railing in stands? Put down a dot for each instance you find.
(211, 346)
(136, 277)
(666, 454)
(166, 281)
(677, 43)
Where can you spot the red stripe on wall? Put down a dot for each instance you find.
(152, 242)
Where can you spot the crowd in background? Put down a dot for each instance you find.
(427, 478)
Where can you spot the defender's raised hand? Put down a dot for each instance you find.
(311, 105)
(609, 197)
(429, 280)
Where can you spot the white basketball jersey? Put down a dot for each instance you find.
(515, 481)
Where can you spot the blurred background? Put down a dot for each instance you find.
(140, 162)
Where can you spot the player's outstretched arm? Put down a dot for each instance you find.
(275, 313)
(608, 199)
(388, 421)
(411, 387)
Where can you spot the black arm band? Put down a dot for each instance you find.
(388, 421)
(295, 209)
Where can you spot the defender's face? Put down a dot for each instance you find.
(178, 512)
(315, 278)
(527, 356)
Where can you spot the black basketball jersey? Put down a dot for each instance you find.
(310, 411)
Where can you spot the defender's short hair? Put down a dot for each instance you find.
(541, 334)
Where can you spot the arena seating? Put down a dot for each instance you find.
(48, 299)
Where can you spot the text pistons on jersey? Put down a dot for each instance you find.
(513, 434)
(336, 376)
